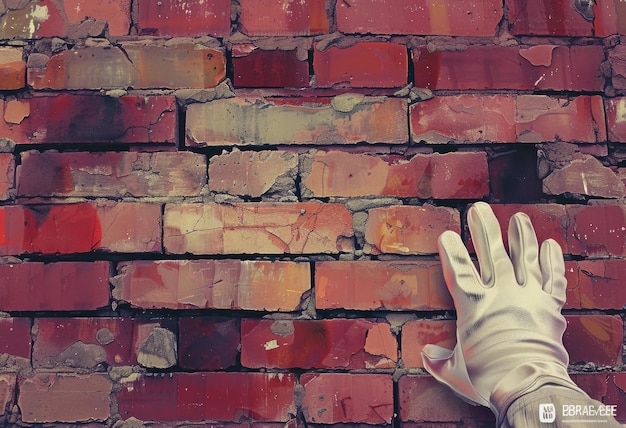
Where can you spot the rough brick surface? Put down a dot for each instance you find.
(269, 18)
(192, 18)
(419, 333)
(7, 175)
(12, 69)
(594, 338)
(259, 68)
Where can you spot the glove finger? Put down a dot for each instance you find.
(487, 238)
(459, 272)
(553, 270)
(524, 250)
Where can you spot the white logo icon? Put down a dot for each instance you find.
(547, 413)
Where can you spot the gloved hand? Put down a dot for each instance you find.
(509, 322)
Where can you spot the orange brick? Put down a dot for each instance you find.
(409, 229)
(269, 18)
(218, 284)
(370, 285)
(419, 333)
(594, 338)
(257, 228)
(12, 69)
(7, 175)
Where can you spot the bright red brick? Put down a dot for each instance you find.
(345, 119)
(208, 343)
(52, 397)
(79, 228)
(594, 338)
(217, 396)
(419, 333)
(446, 18)
(462, 175)
(128, 119)
(269, 69)
(257, 228)
(328, 343)
(293, 18)
(575, 68)
(191, 18)
(404, 229)
(12, 69)
(7, 175)
(8, 383)
(217, 284)
(110, 174)
(370, 285)
(61, 286)
(331, 398)
(116, 13)
(15, 337)
(597, 231)
(367, 64)
(552, 18)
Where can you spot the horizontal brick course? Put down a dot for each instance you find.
(192, 18)
(15, 337)
(269, 18)
(261, 68)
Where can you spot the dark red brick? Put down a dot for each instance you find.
(128, 119)
(601, 284)
(367, 64)
(574, 68)
(191, 18)
(594, 338)
(513, 175)
(260, 68)
(208, 343)
(61, 286)
(328, 343)
(418, 333)
(216, 396)
(597, 231)
(549, 18)
(15, 337)
(331, 398)
(270, 18)
(616, 395)
(370, 285)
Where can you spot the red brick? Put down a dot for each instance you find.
(12, 69)
(254, 174)
(601, 284)
(418, 333)
(460, 175)
(450, 18)
(346, 119)
(79, 228)
(257, 228)
(110, 174)
(390, 285)
(64, 398)
(192, 18)
(594, 338)
(15, 337)
(553, 18)
(367, 64)
(131, 65)
(572, 291)
(615, 394)
(328, 343)
(31, 20)
(7, 392)
(208, 343)
(616, 119)
(216, 284)
(7, 175)
(597, 231)
(409, 229)
(116, 13)
(61, 286)
(270, 18)
(331, 398)
(128, 119)
(575, 68)
(421, 399)
(610, 18)
(217, 396)
(260, 68)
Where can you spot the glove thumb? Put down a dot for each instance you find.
(448, 367)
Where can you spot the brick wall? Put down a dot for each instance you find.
(218, 213)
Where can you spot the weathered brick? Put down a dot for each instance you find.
(610, 18)
(600, 284)
(450, 18)
(12, 69)
(419, 333)
(133, 64)
(269, 18)
(370, 285)
(462, 175)
(327, 343)
(7, 175)
(191, 18)
(617, 60)
(616, 119)
(110, 174)
(366, 64)
(331, 398)
(409, 229)
(61, 286)
(574, 68)
(596, 231)
(29, 20)
(79, 228)
(615, 393)
(116, 13)
(15, 337)
(584, 176)
(208, 343)
(572, 292)
(8, 383)
(128, 119)
(555, 18)
(257, 228)
(421, 399)
(260, 68)
(254, 174)
(217, 396)
(594, 338)
(52, 397)
(217, 284)
(346, 119)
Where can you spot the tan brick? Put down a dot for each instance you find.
(584, 176)
(7, 392)
(12, 69)
(7, 174)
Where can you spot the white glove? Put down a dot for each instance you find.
(509, 322)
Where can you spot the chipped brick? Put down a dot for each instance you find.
(586, 176)
(110, 174)
(8, 383)
(257, 228)
(328, 343)
(269, 18)
(194, 18)
(116, 13)
(270, 69)
(346, 119)
(370, 285)
(208, 343)
(12, 69)
(218, 284)
(158, 350)
(597, 231)
(29, 20)
(556, 18)
(419, 333)
(594, 338)
(7, 174)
